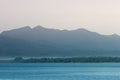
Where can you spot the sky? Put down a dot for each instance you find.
(102, 16)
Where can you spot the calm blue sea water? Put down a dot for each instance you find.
(60, 71)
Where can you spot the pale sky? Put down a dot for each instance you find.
(102, 16)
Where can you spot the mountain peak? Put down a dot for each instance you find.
(115, 35)
(25, 27)
(39, 27)
(82, 29)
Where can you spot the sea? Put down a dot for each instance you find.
(59, 71)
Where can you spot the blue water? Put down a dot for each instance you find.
(60, 71)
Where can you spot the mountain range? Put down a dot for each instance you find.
(45, 42)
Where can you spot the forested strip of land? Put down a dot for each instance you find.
(68, 60)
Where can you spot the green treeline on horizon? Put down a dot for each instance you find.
(68, 60)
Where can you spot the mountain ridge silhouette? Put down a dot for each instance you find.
(40, 41)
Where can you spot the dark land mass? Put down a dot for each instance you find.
(44, 42)
(68, 60)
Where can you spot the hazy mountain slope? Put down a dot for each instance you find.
(40, 41)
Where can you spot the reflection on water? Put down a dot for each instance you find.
(61, 71)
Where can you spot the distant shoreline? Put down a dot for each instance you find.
(64, 60)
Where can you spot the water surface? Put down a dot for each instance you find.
(60, 71)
